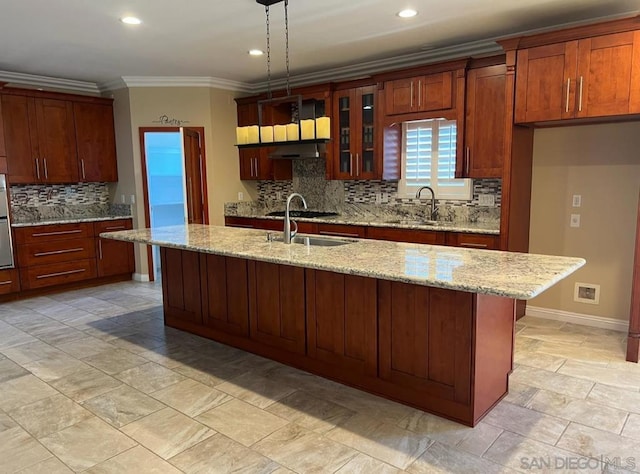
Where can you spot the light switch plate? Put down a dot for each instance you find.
(575, 220)
(577, 200)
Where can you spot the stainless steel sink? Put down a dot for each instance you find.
(313, 241)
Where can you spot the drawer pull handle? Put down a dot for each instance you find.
(62, 232)
(469, 244)
(6, 282)
(339, 234)
(57, 252)
(118, 227)
(70, 272)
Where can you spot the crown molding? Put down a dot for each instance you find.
(175, 81)
(35, 81)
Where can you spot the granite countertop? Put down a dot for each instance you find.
(512, 275)
(67, 220)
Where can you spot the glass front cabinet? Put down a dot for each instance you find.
(355, 134)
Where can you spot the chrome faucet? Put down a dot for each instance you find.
(433, 208)
(288, 235)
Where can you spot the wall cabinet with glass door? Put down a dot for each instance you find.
(355, 134)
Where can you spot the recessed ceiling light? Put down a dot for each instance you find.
(256, 52)
(408, 13)
(131, 20)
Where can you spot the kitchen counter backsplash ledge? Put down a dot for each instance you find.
(22, 216)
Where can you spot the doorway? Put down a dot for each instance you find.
(174, 181)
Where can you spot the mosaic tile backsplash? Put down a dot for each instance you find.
(41, 202)
(358, 198)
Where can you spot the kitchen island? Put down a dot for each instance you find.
(429, 326)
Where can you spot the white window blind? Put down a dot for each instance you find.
(429, 158)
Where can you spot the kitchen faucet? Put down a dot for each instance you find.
(288, 235)
(434, 209)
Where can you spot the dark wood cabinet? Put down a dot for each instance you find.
(355, 154)
(485, 128)
(96, 142)
(342, 328)
(55, 251)
(419, 94)
(45, 233)
(181, 290)
(476, 241)
(9, 281)
(21, 158)
(341, 230)
(225, 294)
(114, 257)
(41, 276)
(406, 235)
(3, 148)
(277, 306)
(586, 78)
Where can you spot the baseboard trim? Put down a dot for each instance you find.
(578, 318)
(141, 277)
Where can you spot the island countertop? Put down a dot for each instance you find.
(492, 272)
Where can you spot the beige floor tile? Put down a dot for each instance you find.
(6, 422)
(531, 321)
(49, 466)
(304, 451)
(480, 439)
(550, 334)
(85, 347)
(439, 458)
(87, 443)
(573, 352)
(49, 415)
(595, 443)
(61, 336)
(241, 421)
(526, 422)
(11, 337)
(582, 411)
(167, 432)
(520, 393)
(137, 343)
(122, 406)
(9, 370)
(191, 397)
(254, 389)
(363, 464)
(539, 360)
(615, 397)
(55, 367)
(169, 356)
(527, 455)
(115, 361)
(632, 427)
(22, 391)
(220, 454)
(604, 375)
(85, 384)
(136, 460)
(19, 450)
(564, 384)
(386, 442)
(149, 377)
(208, 372)
(309, 412)
(31, 351)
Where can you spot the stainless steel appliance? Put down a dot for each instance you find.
(6, 249)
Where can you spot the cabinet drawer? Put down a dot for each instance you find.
(476, 241)
(46, 233)
(9, 281)
(341, 230)
(406, 235)
(42, 253)
(57, 273)
(245, 222)
(112, 226)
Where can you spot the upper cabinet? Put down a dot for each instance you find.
(96, 142)
(355, 134)
(419, 94)
(44, 138)
(3, 149)
(594, 77)
(486, 122)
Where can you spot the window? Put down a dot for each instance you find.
(428, 152)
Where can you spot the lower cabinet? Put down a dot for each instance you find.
(475, 241)
(277, 306)
(406, 235)
(181, 291)
(114, 257)
(41, 276)
(9, 281)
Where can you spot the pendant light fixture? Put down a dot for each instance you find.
(267, 5)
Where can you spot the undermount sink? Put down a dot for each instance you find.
(313, 241)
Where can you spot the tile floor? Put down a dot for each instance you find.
(91, 381)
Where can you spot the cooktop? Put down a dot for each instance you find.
(304, 214)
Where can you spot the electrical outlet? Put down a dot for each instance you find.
(133, 199)
(586, 293)
(378, 198)
(488, 200)
(124, 199)
(384, 198)
(577, 200)
(279, 195)
(575, 220)
(240, 196)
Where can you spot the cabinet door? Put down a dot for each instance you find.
(57, 140)
(247, 114)
(367, 165)
(609, 75)
(96, 143)
(181, 292)
(406, 235)
(425, 339)
(277, 306)
(225, 299)
(342, 321)
(344, 126)
(3, 149)
(545, 82)
(9, 281)
(435, 92)
(486, 117)
(114, 257)
(399, 96)
(21, 158)
(248, 163)
(476, 241)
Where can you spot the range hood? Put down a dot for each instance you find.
(299, 151)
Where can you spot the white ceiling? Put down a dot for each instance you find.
(83, 39)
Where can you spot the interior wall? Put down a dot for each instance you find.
(602, 164)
